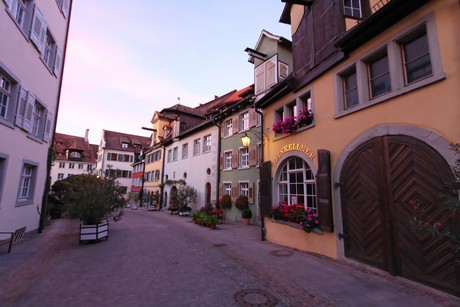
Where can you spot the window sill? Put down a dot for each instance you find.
(7, 123)
(26, 202)
(279, 136)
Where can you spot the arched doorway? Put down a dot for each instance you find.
(172, 198)
(208, 194)
(378, 180)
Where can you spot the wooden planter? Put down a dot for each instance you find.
(94, 232)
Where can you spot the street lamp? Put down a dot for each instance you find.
(246, 140)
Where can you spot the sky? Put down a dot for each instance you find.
(127, 59)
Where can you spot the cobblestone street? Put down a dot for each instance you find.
(156, 259)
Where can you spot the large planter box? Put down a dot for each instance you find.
(94, 232)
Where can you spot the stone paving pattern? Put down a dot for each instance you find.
(156, 259)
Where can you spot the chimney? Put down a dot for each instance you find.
(86, 135)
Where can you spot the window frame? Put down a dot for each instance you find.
(21, 199)
(243, 118)
(243, 188)
(13, 96)
(185, 151)
(207, 143)
(196, 147)
(397, 75)
(228, 160)
(228, 127)
(243, 157)
(227, 188)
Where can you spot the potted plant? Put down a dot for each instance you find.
(246, 214)
(185, 195)
(93, 200)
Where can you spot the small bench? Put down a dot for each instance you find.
(14, 236)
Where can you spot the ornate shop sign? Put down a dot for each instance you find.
(296, 147)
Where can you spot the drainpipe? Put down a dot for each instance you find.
(262, 222)
(218, 157)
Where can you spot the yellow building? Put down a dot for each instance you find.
(381, 79)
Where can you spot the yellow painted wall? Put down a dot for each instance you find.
(435, 107)
(293, 237)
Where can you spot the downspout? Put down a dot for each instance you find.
(44, 208)
(162, 176)
(262, 221)
(218, 158)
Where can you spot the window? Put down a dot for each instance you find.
(63, 5)
(112, 156)
(379, 75)
(296, 183)
(228, 128)
(416, 57)
(42, 38)
(185, 151)
(169, 155)
(243, 189)
(75, 155)
(27, 184)
(244, 121)
(196, 147)
(80, 166)
(157, 175)
(227, 189)
(71, 165)
(244, 157)
(20, 11)
(352, 8)
(207, 143)
(3, 161)
(228, 160)
(60, 176)
(5, 86)
(124, 145)
(61, 165)
(405, 62)
(33, 116)
(9, 92)
(259, 119)
(175, 153)
(89, 167)
(350, 86)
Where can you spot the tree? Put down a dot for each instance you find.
(185, 195)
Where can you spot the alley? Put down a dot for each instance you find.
(155, 259)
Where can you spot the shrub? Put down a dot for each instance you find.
(225, 201)
(242, 202)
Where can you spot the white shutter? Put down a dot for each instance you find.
(38, 30)
(9, 4)
(65, 8)
(260, 78)
(30, 105)
(21, 109)
(270, 72)
(46, 133)
(57, 62)
(283, 70)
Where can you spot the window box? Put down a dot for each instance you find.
(291, 124)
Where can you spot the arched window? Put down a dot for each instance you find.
(296, 183)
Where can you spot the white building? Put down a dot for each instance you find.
(74, 155)
(116, 155)
(33, 43)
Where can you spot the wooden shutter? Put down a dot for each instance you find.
(329, 24)
(252, 117)
(253, 155)
(222, 161)
(221, 190)
(323, 187)
(21, 109)
(259, 73)
(235, 124)
(38, 30)
(9, 4)
(283, 71)
(302, 46)
(65, 8)
(251, 193)
(235, 158)
(270, 72)
(265, 188)
(47, 130)
(234, 191)
(29, 110)
(57, 62)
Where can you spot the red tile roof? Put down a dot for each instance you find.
(65, 142)
(114, 140)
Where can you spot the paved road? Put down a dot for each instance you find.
(155, 259)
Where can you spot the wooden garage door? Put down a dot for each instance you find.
(379, 178)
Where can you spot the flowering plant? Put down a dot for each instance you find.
(225, 201)
(305, 117)
(90, 198)
(307, 218)
(242, 202)
(290, 124)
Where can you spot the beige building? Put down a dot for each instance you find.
(33, 43)
(382, 80)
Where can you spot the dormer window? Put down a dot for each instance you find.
(74, 155)
(269, 73)
(124, 145)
